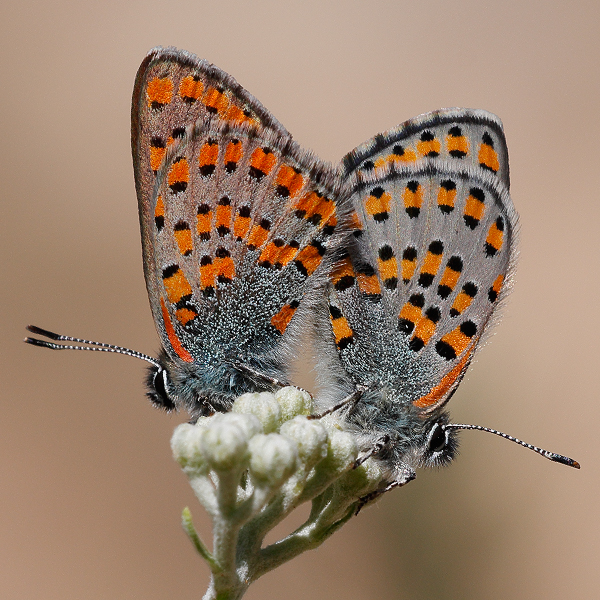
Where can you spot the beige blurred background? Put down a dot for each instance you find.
(90, 499)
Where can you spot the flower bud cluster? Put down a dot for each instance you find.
(252, 466)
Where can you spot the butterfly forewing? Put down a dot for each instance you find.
(173, 90)
(464, 137)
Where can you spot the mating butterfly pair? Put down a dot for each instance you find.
(398, 257)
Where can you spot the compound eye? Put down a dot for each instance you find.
(437, 438)
(159, 388)
(160, 383)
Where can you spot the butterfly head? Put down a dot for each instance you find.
(173, 384)
(208, 384)
(440, 445)
(159, 387)
(431, 443)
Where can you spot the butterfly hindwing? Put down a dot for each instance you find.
(440, 275)
(432, 251)
(235, 253)
(238, 224)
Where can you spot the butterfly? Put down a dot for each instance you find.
(398, 257)
(238, 227)
(418, 287)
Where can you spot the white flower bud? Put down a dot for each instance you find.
(224, 443)
(310, 436)
(293, 402)
(263, 406)
(273, 458)
(185, 445)
(361, 480)
(342, 451)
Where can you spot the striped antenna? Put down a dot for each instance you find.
(565, 460)
(92, 346)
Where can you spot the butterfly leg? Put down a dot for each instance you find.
(376, 448)
(258, 375)
(406, 475)
(351, 401)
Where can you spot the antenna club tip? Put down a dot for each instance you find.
(39, 331)
(565, 460)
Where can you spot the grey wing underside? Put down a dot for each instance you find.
(433, 251)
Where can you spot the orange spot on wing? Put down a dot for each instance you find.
(413, 199)
(424, 329)
(233, 153)
(407, 156)
(209, 153)
(156, 157)
(235, 114)
(204, 222)
(474, 208)
(179, 172)
(310, 257)
(388, 268)
(224, 266)
(495, 237)
(191, 88)
(282, 319)
(498, 283)
(368, 284)
(257, 236)
(411, 313)
(379, 205)
(424, 148)
(488, 157)
(285, 254)
(446, 197)
(185, 315)
(325, 208)
(215, 100)
(207, 273)
(263, 161)
(457, 143)
(462, 302)
(241, 225)
(159, 91)
(223, 216)
(343, 268)
(440, 391)
(183, 237)
(159, 210)
(177, 286)
(269, 253)
(408, 269)
(313, 204)
(457, 340)
(494, 291)
(341, 330)
(175, 342)
(289, 179)
(450, 277)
